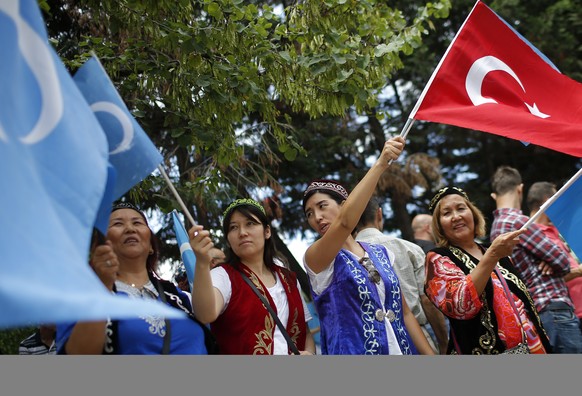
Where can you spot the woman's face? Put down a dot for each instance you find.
(321, 210)
(456, 219)
(247, 236)
(129, 234)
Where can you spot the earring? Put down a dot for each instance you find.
(151, 251)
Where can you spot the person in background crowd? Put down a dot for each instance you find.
(218, 257)
(409, 265)
(548, 290)
(41, 342)
(438, 326)
(489, 307)
(181, 279)
(239, 320)
(422, 228)
(354, 285)
(537, 195)
(126, 264)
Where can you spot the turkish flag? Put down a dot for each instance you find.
(493, 80)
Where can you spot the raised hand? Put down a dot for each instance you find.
(503, 245)
(105, 264)
(201, 244)
(392, 149)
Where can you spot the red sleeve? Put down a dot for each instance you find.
(450, 289)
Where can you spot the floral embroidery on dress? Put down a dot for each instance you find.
(264, 338)
(157, 324)
(371, 343)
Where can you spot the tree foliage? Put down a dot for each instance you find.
(219, 85)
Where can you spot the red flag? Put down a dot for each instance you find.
(492, 80)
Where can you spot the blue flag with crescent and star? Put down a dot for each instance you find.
(131, 152)
(53, 156)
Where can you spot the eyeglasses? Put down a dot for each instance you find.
(373, 273)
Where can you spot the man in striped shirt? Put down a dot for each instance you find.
(41, 342)
(534, 252)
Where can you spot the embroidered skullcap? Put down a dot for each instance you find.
(240, 202)
(444, 192)
(128, 205)
(324, 185)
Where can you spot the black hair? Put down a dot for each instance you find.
(251, 212)
(152, 260)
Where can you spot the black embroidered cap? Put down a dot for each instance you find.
(444, 192)
(128, 205)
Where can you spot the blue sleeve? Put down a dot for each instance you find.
(63, 333)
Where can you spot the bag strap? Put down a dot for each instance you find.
(265, 302)
(510, 298)
(512, 302)
(167, 336)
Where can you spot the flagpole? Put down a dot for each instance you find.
(434, 73)
(407, 127)
(552, 199)
(410, 120)
(171, 185)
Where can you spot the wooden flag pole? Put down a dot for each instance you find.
(173, 189)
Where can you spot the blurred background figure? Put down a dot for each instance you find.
(181, 279)
(422, 228)
(537, 195)
(41, 342)
(218, 257)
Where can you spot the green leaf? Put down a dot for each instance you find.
(290, 154)
(214, 10)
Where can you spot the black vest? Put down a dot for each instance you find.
(479, 335)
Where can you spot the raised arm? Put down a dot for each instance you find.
(207, 301)
(321, 253)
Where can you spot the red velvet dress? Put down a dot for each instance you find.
(246, 327)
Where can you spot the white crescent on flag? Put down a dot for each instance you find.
(126, 126)
(38, 57)
(474, 82)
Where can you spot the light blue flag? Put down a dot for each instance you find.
(53, 156)
(131, 151)
(104, 211)
(566, 214)
(188, 256)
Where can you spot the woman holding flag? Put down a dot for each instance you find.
(126, 264)
(489, 308)
(235, 297)
(355, 287)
